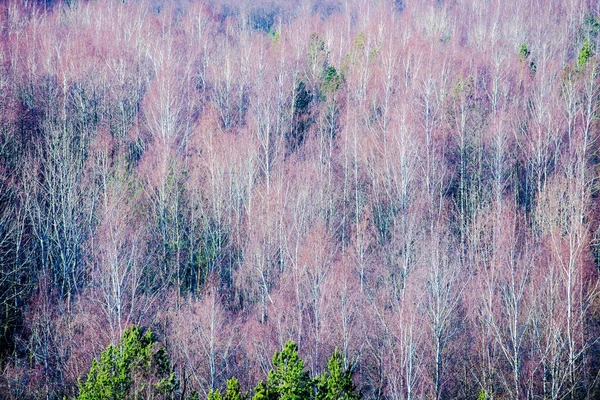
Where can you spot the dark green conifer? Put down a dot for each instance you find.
(336, 383)
(131, 369)
(288, 380)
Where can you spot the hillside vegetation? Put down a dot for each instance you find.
(412, 183)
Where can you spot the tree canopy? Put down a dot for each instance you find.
(133, 369)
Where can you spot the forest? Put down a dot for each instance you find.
(299, 199)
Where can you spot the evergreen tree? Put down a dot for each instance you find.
(261, 392)
(133, 369)
(336, 383)
(586, 52)
(215, 395)
(233, 392)
(288, 380)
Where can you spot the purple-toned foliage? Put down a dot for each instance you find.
(414, 183)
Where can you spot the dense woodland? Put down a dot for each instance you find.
(414, 183)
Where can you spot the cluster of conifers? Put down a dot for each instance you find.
(137, 368)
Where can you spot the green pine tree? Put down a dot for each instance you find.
(524, 52)
(261, 392)
(336, 383)
(586, 52)
(288, 380)
(233, 391)
(215, 395)
(131, 369)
